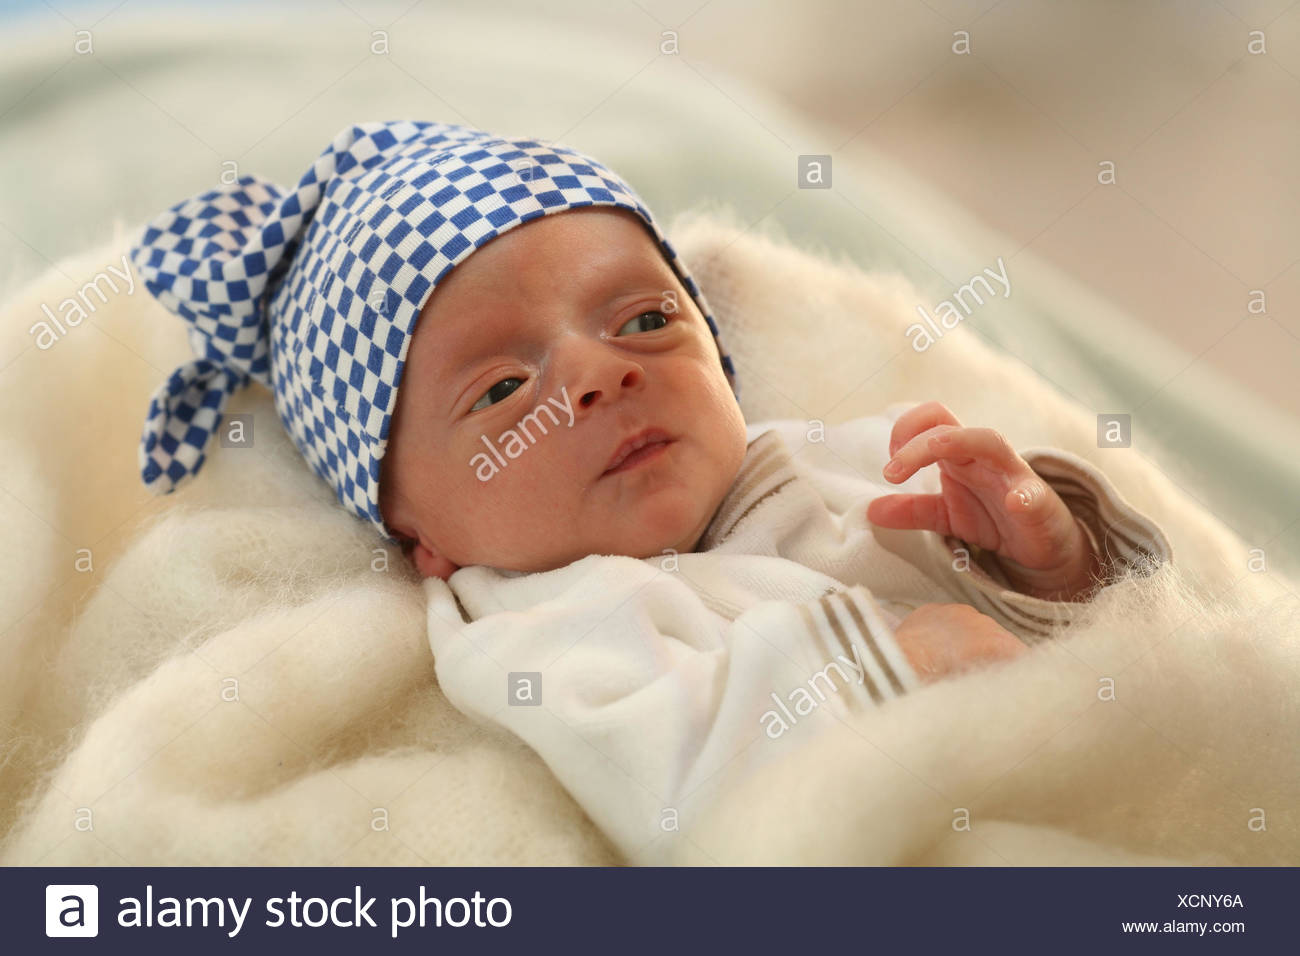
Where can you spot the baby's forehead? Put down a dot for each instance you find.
(584, 261)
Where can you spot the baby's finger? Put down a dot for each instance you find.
(909, 512)
(1032, 501)
(916, 420)
(960, 446)
(1040, 514)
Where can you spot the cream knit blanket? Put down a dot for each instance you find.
(238, 674)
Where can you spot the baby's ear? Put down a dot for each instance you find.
(426, 558)
(430, 563)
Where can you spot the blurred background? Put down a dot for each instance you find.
(1136, 165)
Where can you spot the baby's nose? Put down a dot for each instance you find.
(609, 380)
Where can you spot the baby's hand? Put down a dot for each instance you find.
(940, 639)
(990, 498)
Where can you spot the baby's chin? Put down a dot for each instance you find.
(661, 526)
(662, 529)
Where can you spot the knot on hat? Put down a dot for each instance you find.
(214, 260)
(208, 259)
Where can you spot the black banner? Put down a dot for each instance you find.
(494, 910)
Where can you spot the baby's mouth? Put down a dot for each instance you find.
(638, 448)
(645, 453)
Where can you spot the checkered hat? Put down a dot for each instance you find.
(315, 291)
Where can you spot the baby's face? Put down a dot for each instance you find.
(531, 364)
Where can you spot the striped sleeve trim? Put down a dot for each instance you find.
(1122, 537)
(765, 471)
(859, 646)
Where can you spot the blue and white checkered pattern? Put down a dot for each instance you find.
(315, 292)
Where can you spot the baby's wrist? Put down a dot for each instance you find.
(1074, 581)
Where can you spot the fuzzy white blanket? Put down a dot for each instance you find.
(238, 674)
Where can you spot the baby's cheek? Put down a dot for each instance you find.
(521, 497)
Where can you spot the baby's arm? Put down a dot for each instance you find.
(1123, 538)
(647, 699)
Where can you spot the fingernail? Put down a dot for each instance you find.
(894, 467)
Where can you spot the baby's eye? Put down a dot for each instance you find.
(496, 390)
(642, 316)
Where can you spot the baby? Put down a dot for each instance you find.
(620, 570)
(574, 305)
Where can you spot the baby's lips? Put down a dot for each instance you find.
(634, 441)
